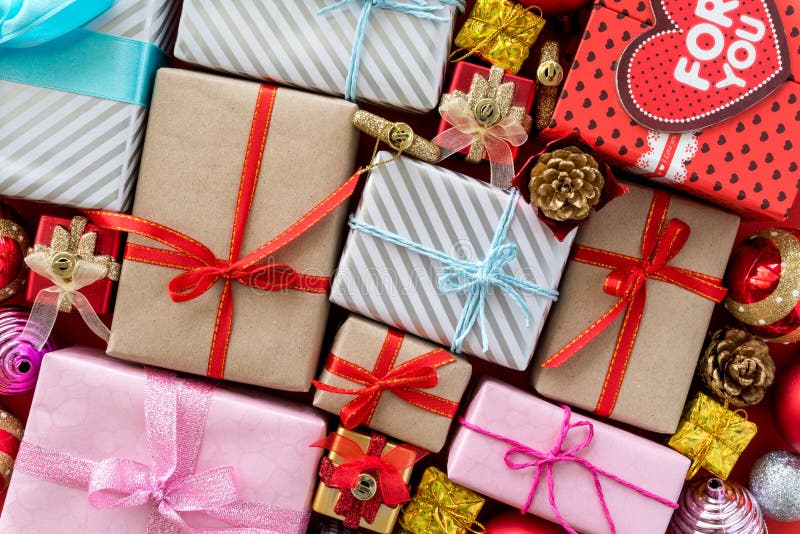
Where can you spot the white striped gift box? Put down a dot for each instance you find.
(402, 64)
(458, 216)
(79, 150)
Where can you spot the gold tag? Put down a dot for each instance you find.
(366, 488)
(63, 264)
(400, 136)
(550, 73)
(487, 112)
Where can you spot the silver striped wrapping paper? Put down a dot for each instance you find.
(402, 65)
(78, 150)
(458, 216)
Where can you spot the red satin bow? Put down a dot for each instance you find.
(628, 281)
(405, 381)
(204, 269)
(9, 443)
(386, 468)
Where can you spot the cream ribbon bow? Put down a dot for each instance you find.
(485, 120)
(70, 264)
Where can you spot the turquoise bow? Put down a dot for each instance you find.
(43, 43)
(416, 8)
(475, 279)
(26, 23)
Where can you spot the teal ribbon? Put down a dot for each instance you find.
(473, 278)
(43, 43)
(416, 8)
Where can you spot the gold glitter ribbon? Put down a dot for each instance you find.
(702, 410)
(69, 262)
(485, 120)
(501, 32)
(398, 135)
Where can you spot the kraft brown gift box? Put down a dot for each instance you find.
(189, 181)
(673, 327)
(359, 341)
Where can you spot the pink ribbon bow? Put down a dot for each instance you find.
(496, 139)
(544, 462)
(175, 415)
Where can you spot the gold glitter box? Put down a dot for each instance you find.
(441, 506)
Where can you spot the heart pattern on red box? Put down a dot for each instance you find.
(703, 62)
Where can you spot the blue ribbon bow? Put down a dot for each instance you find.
(416, 8)
(43, 43)
(473, 278)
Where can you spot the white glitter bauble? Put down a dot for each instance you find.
(775, 483)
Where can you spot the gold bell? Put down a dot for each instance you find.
(366, 488)
(63, 264)
(401, 136)
(487, 112)
(550, 73)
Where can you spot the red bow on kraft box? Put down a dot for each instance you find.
(386, 470)
(202, 269)
(661, 243)
(405, 381)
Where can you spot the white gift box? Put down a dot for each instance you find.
(457, 216)
(402, 63)
(79, 150)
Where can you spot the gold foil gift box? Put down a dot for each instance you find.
(712, 436)
(501, 32)
(441, 506)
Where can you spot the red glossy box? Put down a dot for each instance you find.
(741, 149)
(464, 72)
(109, 243)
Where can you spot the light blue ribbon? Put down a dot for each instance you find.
(473, 278)
(417, 8)
(42, 43)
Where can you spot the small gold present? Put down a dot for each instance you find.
(501, 32)
(442, 507)
(712, 436)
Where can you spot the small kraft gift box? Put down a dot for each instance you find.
(387, 53)
(115, 447)
(75, 86)
(450, 259)
(256, 175)
(636, 300)
(392, 382)
(699, 95)
(586, 475)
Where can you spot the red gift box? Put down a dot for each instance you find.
(109, 243)
(464, 72)
(745, 160)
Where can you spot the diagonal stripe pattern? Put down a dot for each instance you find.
(79, 150)
(454, 214)
(402, 64)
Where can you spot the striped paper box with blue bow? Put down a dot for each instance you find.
(450, 259)
(387, 52)
(75, 83)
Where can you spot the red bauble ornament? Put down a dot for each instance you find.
(786, 406)
(516, 523)
(14, 244)
(763, 279)
(557, 7)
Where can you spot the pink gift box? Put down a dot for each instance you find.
(92, 406)
(477, 461)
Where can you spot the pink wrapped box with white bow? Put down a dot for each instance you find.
(113, 447)
(588, 476)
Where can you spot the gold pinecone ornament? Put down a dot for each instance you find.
(566, 183)
(737, 367)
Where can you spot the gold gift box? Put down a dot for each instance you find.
(712, 436)
(501, 32)
(325, 498)
(441, 507)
